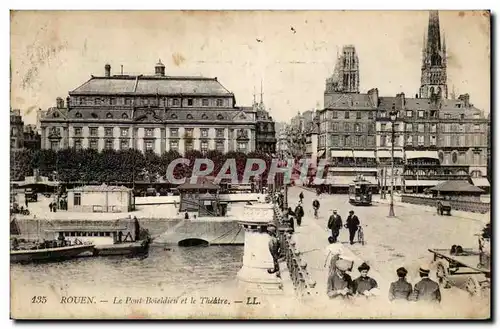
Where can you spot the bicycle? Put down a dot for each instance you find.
(361, 235)
(316, 213)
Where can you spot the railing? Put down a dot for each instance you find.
(462, 205)
(297, 267)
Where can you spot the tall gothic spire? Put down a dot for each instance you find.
(433, 33)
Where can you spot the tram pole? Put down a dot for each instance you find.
(393, 116)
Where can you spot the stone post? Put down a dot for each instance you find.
(253, 276)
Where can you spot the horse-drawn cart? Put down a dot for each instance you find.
(465, 261)
(443, 207)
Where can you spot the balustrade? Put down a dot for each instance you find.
(462, 205)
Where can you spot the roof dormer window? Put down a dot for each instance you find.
(109, 115)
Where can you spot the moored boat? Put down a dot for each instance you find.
(49, 254)
(135, 248)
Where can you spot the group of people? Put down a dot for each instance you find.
(340, 284)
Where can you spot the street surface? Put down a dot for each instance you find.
(389, 244)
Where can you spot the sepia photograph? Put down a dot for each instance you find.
(190, 164)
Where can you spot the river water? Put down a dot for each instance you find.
(188, 269)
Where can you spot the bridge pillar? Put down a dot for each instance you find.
(253, 275)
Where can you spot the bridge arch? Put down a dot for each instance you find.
(193, 242)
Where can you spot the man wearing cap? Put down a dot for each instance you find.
(426, 289)
(364, 284)
(274, 248)
(339, 282)
(335, 224)
(400, 289)
(352, 223)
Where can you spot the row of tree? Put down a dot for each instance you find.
(109, 166)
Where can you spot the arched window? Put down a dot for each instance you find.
(475, 173)
(173, 116)
(432, 90)
(78, 115)
(189, 116)
(441, 157)
(454, 157)
(204, 116)
(109, 115)
(55, 114)
(124, 116)
(220, 117)
(94, 115)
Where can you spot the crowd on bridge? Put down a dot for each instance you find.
(340, 285)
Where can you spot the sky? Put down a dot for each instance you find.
(291, 52)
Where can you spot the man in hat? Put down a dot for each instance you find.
(352, 223)
(400, 289)
(364, 284)
(299, 213)
(339, 283)
(274, 248)
(426, 289)
(335, 224)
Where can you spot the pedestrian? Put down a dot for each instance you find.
(50, 207)
(400, 289)
(339, 283)
(365, 285)
(26, 202)
(426, 289)
(274, 249)
(186, 215)
(301, 196)
(315, 205)
(54, 206)
(299, 213)
(352, 223)
(335, 224)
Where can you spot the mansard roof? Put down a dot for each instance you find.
(348, 101)
(151, 85)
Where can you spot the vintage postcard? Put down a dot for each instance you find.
(250, 165)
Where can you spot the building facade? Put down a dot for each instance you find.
(265, 129)
(21, 135)
(150, 113)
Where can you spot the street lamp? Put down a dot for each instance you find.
(393, 115)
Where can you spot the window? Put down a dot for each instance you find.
(189, 116)
(204, 102)
(409, 127)
(357, 127)
(242, 147)
(461, 127)
(176, 102)
(477, 140)
(78, 144)
(335, 126)
(174, 132)
(128, 101)
(347, 140)
(148, 145)
(108, 132)
(109, 144)
(124, 132)
(383, 127)
(396, 127)
(94, 115)
(420, 114)
(93, 131)
(421, 127)
(123, 144)
(371, 140)
(383, 114)
(447, 116)
(477, 127)
(219, 132)
(77, 199)
(80, 100)
(109, 115)
(189, 132)
(204, 147)
(409, 114)
(358, 115)
(454, 157)
(174, 116)
(219, 146)
(370, 115)
(346, 114)
(409, 140)
(78, 131)
(190, 102)
(204, 132)
(93, 144)
(204, 116)
(149, 132)
(476, 116)
(335, 114)
(78, 115)
(433, 140)
(383, 140)
(124, 116)
(346, 127)
(189, 146)
(433, 127)
(462, 116)
(174, 145)
(420, 140)
(55, 115)
(447, 140)
(461, 140)
(219, 102)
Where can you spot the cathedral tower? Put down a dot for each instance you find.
(345, 78)
(434, 79)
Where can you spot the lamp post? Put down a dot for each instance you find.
(393, 115)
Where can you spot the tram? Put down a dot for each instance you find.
(360, 192)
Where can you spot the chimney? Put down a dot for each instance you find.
(373, 94)
(400, 101)
(67, 103)
(465, 98)
(107, 70)
(59, 103)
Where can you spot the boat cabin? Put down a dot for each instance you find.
(93, 235)
(201, 197)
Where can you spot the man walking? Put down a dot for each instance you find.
(352, 224)
(335, 224)
(299, 213)
(301, 196)
(316, 208)
(426, 289)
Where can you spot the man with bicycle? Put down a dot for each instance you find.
(316, 208)
(352, 223)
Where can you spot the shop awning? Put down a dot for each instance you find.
(422, 182)
(341, 154)
(321, 153)
(339, 180)
(480, 182)
(364, 154)
(421, 154)
(387, 154)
